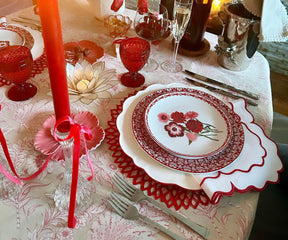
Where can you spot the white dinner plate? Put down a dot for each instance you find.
(16, 35)
(37, 48)
(188, 124)
(205, 164)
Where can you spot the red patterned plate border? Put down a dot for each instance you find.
(202, 165)
(180, 147)
(24, 34)
(171, 195)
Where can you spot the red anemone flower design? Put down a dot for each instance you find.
(191, 137)
(163, 117)
(191, 115)
(178, 117)
(174, 129)
(194, 125)
(180, 124)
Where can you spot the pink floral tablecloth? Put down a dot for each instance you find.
(31, 213)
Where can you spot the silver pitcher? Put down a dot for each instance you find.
(239, 39)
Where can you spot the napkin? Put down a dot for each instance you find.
(274, 19)
(257, 164)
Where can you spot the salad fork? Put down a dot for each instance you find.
(128, 211)
(135, 195)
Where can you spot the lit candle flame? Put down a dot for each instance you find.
(215, 7)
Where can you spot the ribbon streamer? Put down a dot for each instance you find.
(75, 132)
(9, 176)
(7, 155)
(2, 169)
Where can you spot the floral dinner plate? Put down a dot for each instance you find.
(205, 164)
(188, 124)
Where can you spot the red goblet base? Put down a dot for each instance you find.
(22, 92)
(132, 80)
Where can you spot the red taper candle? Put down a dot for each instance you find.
(52, 35)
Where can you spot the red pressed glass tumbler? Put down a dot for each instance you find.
(16, 64)
(134, 53)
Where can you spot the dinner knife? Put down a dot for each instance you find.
(224, 85)
(221, 91)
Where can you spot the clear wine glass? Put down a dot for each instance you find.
(181, 16)
(134, 53)
(16, 64)
(152, 25)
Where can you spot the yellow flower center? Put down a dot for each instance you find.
(82, 85)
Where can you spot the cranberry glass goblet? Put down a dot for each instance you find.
(134, 53)
(16, 64)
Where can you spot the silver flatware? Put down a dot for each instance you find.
(224, 85)
(221, 91)
(134, 194)
(128, 211)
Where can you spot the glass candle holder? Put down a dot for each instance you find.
(63, 191)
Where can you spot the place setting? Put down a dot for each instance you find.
(186, 155)
(196, 146)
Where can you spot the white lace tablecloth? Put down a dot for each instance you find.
(31, 214)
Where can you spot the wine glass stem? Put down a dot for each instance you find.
(174, 56)
(150, 55)
(151, 64)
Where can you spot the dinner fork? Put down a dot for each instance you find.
(134, 194)
(128, 211)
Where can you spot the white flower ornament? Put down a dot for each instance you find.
(87, 82)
